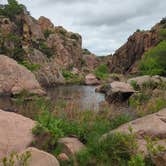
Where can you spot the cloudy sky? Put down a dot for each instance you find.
(104, 24)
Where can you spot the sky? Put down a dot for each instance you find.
(103, 24)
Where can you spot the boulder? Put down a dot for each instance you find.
(15, 78)
(153, 126)
(119, 92)
(39, 158)
(15, 133)
(91, 79)
(70, 145)
(140, 80)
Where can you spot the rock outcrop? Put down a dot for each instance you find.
(118, 92)
(39, 42)
(45, 24)
(15, 133)
(126, 57)
(15, 78)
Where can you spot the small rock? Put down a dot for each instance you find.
(91, 79)
(63, 157)
(70, 146)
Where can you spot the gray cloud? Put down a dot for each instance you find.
(104, 24)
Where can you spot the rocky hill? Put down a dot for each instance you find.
(126, 58)
(42, 47)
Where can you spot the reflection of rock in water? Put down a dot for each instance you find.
(84, 97)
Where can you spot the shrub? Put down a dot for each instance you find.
(16, 159)
(154, 61)
(30, 66)
(45, 49)
(137, 160)
(12, 9)
(47, 33)
(138, 99)
(135, 85)
(72, 78)
(102, 71)
(116, 149)
(74, 36)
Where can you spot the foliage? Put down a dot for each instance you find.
(16, 52)
(30, 66)
(86, 51)
(163, 21)
(72, 78)
(45, 49)
(153, 147)
(135, 85)
(138, 99)
(16, 159)
(11, 9)
(74, 36)
(162, 34)
(137, 161)
(154, 61)
(115, 149)
(47, 33)
(102, 71)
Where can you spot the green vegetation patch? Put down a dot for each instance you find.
(154, 61)
(102, 71)
(11, 9)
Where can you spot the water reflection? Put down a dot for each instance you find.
(80, 97)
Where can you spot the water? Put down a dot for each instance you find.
(75, 96)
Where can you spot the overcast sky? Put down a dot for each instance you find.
(104, 24)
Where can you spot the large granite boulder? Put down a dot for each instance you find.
(153, 126)
(15, 78)
(141, 80)
(15, 133)
(118, 92)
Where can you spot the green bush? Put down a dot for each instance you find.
(102, 71)
(138, 99)
(11, 9)
(154, 61)
(47, 33)
(137, 160)
(116, 149)
(45, 49)
(135, 85)
(30, 66)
